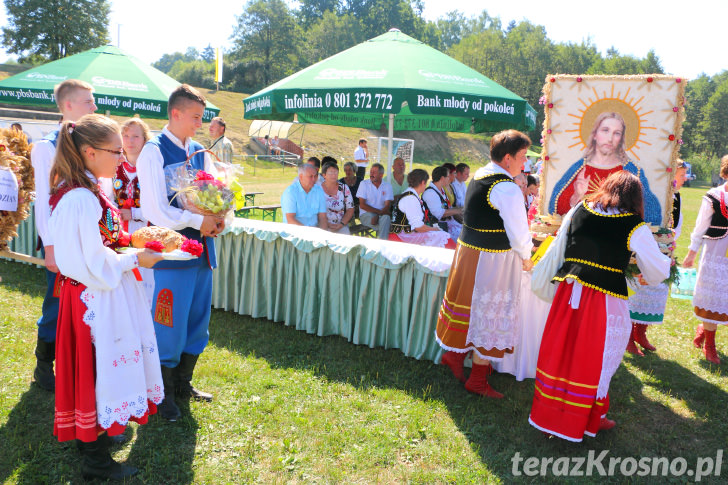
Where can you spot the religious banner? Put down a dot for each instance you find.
(596, 125)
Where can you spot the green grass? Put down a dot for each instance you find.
(291, 407)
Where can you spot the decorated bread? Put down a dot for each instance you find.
(170, 239)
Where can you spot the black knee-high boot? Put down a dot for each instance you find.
(97, 461)
(168, 408)
(45, 354)
(183, 379)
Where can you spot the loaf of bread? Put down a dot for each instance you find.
(170, 239)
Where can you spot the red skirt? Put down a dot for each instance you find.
(75, 409)
(569, 367)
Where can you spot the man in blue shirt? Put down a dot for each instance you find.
(303, 202)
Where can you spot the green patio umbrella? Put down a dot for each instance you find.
(123, 85)
(395, 81)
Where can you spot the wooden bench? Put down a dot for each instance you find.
(267, 211)
(250, 197)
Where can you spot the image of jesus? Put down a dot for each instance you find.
(604, 154)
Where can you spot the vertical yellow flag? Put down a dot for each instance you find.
(218, 65)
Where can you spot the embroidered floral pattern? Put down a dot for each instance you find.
(710, 291)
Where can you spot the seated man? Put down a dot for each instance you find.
(375, 202)
(398, 178)
(460, 185)
(303, 203)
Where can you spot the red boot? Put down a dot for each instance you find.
(454, 360)
(631, 347)
(640, 333)
(478, 381)
(699, 336)
(709, 349)
(605, 424)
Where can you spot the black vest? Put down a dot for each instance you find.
(483, 227)
(718, 223)
(597, 250)
(399, 218)
(675, 209)
(443, 203)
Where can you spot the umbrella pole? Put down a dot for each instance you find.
(389, 143)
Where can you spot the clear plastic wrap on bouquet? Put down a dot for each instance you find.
(209, 194)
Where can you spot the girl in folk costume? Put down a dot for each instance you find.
(647, 303)
(709, 300)
(134, 134)
(107, 361)
(480, 308)
(588, 326)
(411, 222)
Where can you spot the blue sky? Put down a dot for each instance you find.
(688, 37)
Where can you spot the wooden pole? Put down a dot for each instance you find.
(22, 257)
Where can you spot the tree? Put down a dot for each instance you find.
(166, 62)
(311, 11)
(46, 30)
(331, 35)
(715, 119)
(267, 31)
(208, 54)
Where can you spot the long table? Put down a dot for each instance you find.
(371, 292)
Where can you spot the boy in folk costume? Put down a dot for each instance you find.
(108, 365)
(481, 304)
(182, 289)
(647, 304)
(74, 99)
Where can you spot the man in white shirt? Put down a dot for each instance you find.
(375, 202)
(361, 158)
(75, 99)
(221, 146)
(182, 289)
(459, 185)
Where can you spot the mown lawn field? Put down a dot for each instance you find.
(296, 408)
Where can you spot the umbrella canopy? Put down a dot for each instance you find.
(393, 74)
(123, 85)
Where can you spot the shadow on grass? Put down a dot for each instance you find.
(497, 429)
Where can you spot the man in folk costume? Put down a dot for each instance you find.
(588, 325)
(647, 303)
(75, 99)
(480, 308)
(182, 289)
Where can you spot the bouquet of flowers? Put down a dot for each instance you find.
(206, 193)
(666, 242)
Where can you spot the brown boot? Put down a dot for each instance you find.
(631, 347)
(478, 381)
(699, 336)
(640, 333)
(454, 360)
(709, 349)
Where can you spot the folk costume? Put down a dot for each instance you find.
(107, 359)
(588, 325)
(709, 301)
(408, 214)
(647, 303)
(182, 289)
(437, 202)
(41, 158)
(480, 309)
(126, 196)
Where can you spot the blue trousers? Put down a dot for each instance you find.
(185, 330)
(49, 318)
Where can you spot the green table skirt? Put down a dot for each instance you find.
(341, 287)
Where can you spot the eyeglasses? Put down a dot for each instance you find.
(118, 153)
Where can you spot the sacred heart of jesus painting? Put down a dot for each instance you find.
(597, 125)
